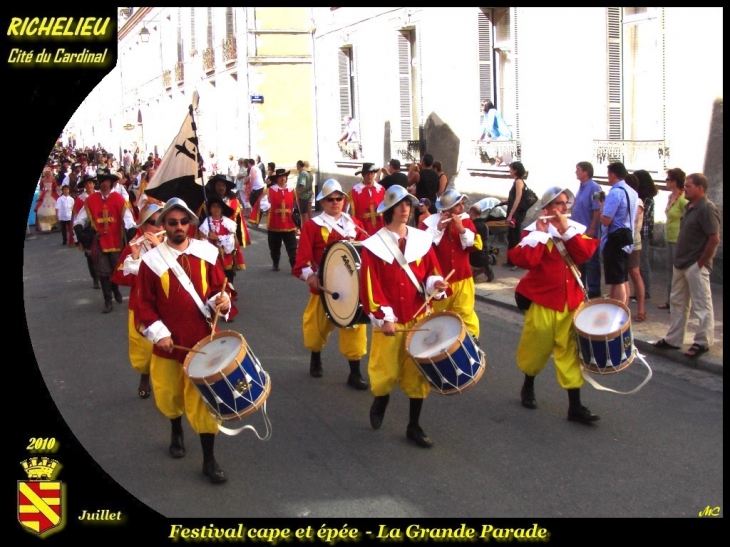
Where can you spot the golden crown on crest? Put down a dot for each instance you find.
(39, 468)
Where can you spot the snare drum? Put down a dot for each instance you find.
(603, 331)
(446, 353)
(228, 375)
(340, 274)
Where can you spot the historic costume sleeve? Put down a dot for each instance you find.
(580, 246)
(154, 329)
(432, 266)
(371, 294)
(127, 268)
(470, 239)
(304, 264)
(528, 254)
(82, 218)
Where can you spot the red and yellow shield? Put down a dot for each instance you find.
(40, 505)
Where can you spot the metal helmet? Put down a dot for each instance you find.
(146, 212)
(329, 186)
(551, 193)
(449, 199)
(394, 195)
(176, 203)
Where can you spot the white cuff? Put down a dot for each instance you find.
(569, 233)
(467, 239)
(156, 332)
(131, 266)
(533, 238)
(431, 289)
(306, 273)
(211, 303)
(436, 234)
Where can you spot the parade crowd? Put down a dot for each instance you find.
(419, 246)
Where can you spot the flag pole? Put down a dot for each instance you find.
(191, 108)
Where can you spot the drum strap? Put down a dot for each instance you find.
(173, 264)
(333, 226)
(586, 375)
(398, 255)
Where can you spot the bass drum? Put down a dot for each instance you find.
(339, 273)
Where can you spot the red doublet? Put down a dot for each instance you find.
(106, 218)
(451, 255)
(387, 284)
(237, 217)
(312, 242)
(126, 279)
(282, 205)
(163, 298)
(549, 281)
(364, 201)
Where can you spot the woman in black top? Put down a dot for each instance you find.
(515, 214)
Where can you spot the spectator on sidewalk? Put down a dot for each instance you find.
(587, 211)
(635, 256)
(647, 190)
(676, 205)
(699, 237)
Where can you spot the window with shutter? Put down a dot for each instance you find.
(180, 53)
(405, 90)
(345, 79)
(193, 43)
(486, 90)
(209, 27)
(230, 22)
(615, 127)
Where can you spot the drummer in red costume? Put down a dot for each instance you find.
(365, 198)
(555, 294)
(148, 236)
(180, 283)
(391, 300)
(455, 237)
(281, 227)
(318, 232)
(111, 219)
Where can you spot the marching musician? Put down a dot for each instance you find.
(555, 293)
(281, 228)
(454, 238)
(318, 232)
(365, 198)
(398, 273)
(180, 287)
(147, 238)
(111, 219)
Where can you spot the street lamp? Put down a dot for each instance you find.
(144, 35)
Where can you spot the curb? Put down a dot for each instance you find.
(710, 365)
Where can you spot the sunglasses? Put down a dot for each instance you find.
(175, 222)
(335, 199)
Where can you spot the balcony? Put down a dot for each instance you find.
(208, 60)
(409, 151)
(497, 152)
(167, 79)
(649, 155)
(350, 150)
(230, 54)
(179, 73)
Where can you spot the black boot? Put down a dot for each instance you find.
(355, 378)
(315, 364)
(211, 469)
(576, 411)
(117, 293)
(106, 289)
(275, 267)
(377, 410)
(177, 446)
(414, 432)
(528, 392)
(96, 283)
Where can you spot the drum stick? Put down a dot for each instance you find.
(141, 239)
(189, 349)
(431, 296)
(333, 294)
(218, 311)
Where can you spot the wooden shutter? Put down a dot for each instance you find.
(180, 53)
(486, 86)
(343, 75)
(404, 84)
(613, 27)
(230, 22)
(193, 43)
(209, 29)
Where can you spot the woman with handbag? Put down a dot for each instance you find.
(515, 210)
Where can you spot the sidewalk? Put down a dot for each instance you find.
(501, 292)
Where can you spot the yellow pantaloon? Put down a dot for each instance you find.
(175, 393)
(548, 331)
(140, 349)
(317, 329)
(390, 364)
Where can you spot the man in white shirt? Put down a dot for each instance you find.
(127, 161)
(64, 213)
(255, 181)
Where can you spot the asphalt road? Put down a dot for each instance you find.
(657, 453)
